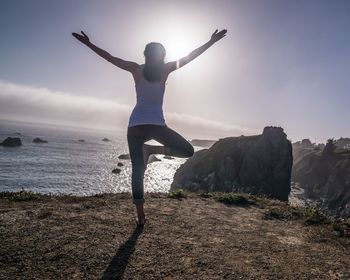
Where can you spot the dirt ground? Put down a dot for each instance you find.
(192, 238)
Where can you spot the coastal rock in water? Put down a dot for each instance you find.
(259, 164)
(106, 140)
(11, 142)
(124, 156)
(120, 164)
(39, 140)
(153, 158)
(81, 140)
(116, 170)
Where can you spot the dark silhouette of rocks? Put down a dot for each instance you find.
(329, 149)
(106, 140)
(325, 177)
(81, 140)
(116, 170)
(120, 164)
(320, 146)
(304, 144)
(202, 142)
(124, 156)
(11, 142)
(343, 143)
(39, 140)
(259, 164)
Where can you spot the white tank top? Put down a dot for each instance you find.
(149, 103)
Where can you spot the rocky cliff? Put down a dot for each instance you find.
(325, 178)
(259, 164)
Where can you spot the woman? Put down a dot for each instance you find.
(146, 121)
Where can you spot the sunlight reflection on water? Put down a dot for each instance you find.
(64, 165)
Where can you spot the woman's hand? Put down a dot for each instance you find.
(176, 64)
(216, 36)
(84, 39)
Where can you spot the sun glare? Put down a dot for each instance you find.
(178, 36)
(176, 48)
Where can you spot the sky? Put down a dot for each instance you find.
(282, 63)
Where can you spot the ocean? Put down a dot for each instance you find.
(66, 166)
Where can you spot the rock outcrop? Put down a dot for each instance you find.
(39, 140)
(116, 170)
(259, 164)
(343, 143)
(305, 144)
(11, 142)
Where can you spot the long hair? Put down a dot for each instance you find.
(154, 55)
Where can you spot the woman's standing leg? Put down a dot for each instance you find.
(135, 143)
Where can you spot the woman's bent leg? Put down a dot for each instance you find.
(138, 168)
(174, 143)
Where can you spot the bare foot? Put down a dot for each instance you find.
(141, 217)
(140, 221)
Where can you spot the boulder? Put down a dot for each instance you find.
(120, 164)
(258, 164)
(11, 142)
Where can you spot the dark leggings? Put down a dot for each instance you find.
(175, 144)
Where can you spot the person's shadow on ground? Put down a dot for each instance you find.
(116, 267)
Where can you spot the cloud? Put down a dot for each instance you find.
(37, 104)
(204, 127)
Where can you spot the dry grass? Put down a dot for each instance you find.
(199, 237)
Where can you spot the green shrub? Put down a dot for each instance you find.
(178, 194)
(232, 199)
(337, 226)
(315, 217)
(283, 213)
(21, 196)
(206, 194)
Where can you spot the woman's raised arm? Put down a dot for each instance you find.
(216, 36)
(123, 64)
